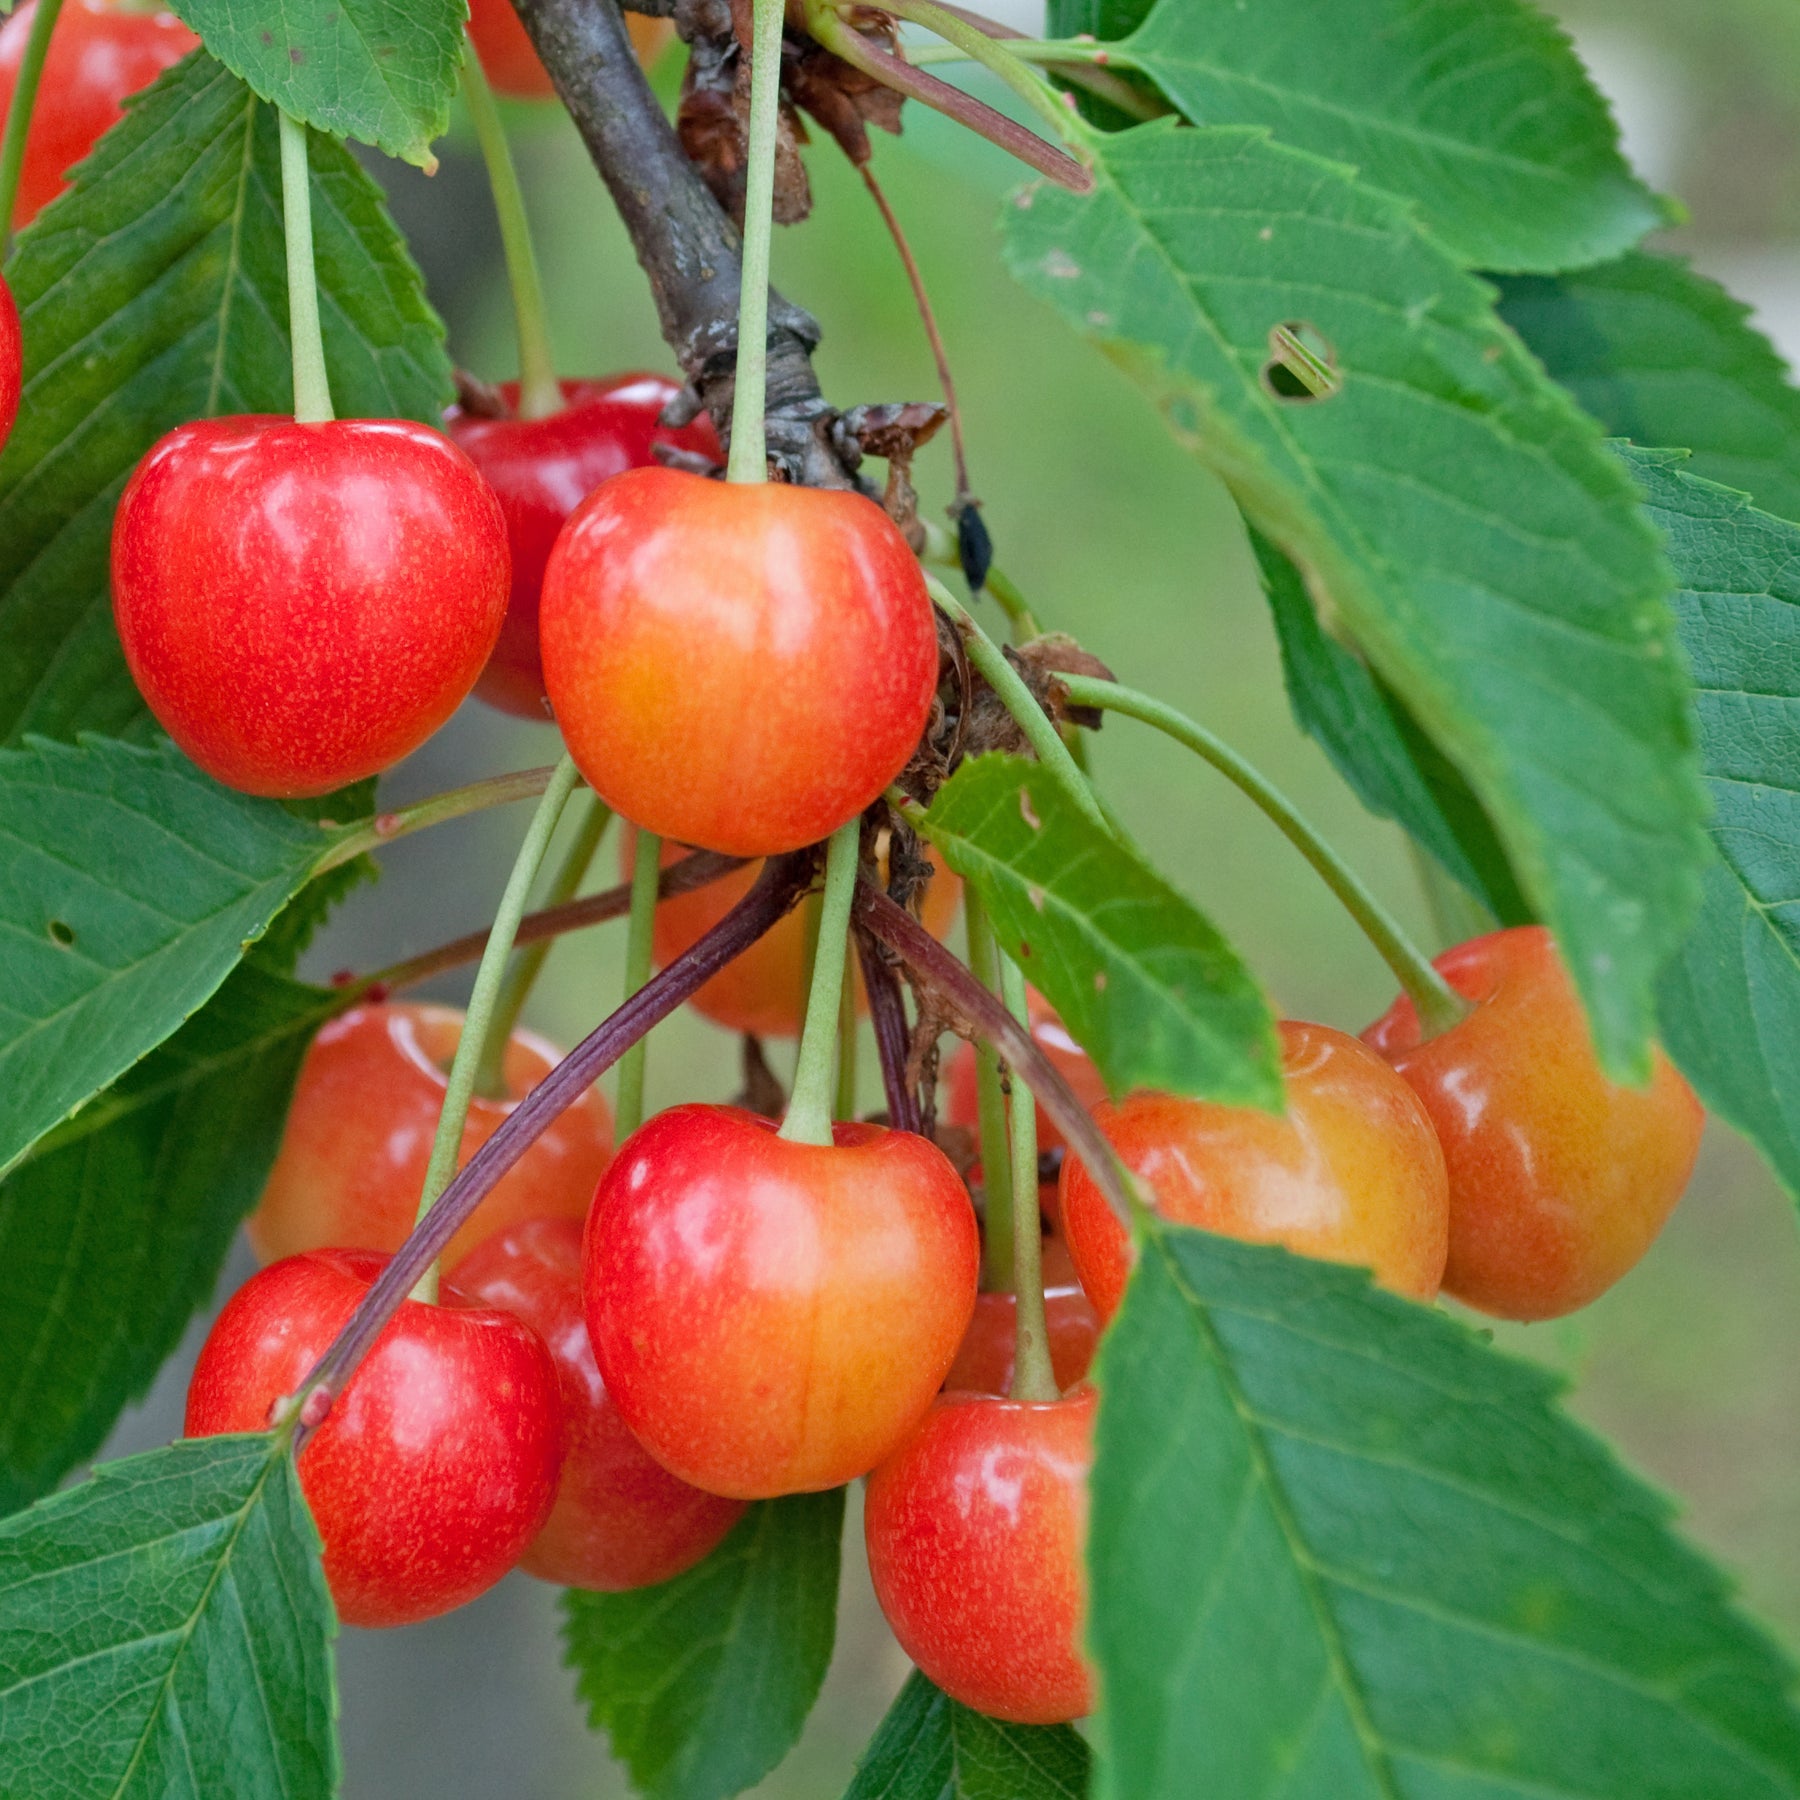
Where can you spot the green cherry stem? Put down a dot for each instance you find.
(312, 388)
(540, 394)
(1439, 1006)
(1034, 1378)
(808, 1118)
(459, 1089)
(844, 1106)
(646, 867)
(749, 461)
(18, 114)
(990, 1111)
(454, 803)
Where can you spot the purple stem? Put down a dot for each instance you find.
(887, 1013)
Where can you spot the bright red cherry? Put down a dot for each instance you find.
(301, 605)
(621, 1520)
(510, 59)
(436, 1465)
(738, 667)
(975, 1528)
(1559, 1179)
(99, 54)
(359, 1130)
(1066, 1056)
(984, 1362)
(1351, 1173)
(770, 1318)
(542, 469)
(12, 360)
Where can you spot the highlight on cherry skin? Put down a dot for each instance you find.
(436, 1465)
(301, 605)
(358, 1137)
(1351, 1173)
(621, 1520)
(771, 1317)
(542, 469)
(1560, 1179)
(737, 667)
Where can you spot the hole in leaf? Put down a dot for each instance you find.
(62, 933)
(1302, 365)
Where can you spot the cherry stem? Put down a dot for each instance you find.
(459, 1089)
(312, 387)
(454, 803)
(540, 394)
(748, 460)
(18, 114)
(780, 884)
(844, 1105)
(808, 1118)
(646, 864)
(990, 1111)
(1083, 65)
(527, 963)
(1034, 1376)
(1439, 1006)
(887, 1013)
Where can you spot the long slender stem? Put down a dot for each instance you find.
(887, 1013)
(312, 387)
(1081, 63)
(540, 395)
(843, 1105)
(446, 1145)
(749, 460)
(1014, 604)
(808, 1118)
(1439, 1006)
(19, 113)
(1034, 1376)
(646, 861)
(990, 1111)
(454, 803)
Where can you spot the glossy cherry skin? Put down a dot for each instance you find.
(510, 59)
(984, 1363)
(770, 1318)
(1559, 1179)
(301, 605)
(975, 1528)
(352, 1159)
(1351, 1173)
(12, 361)
(437, 1464)
(540, 471)
(99, 54)
(741, 668)
(621, 1520)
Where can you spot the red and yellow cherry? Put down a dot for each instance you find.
(1066, 1056)
(541, 470)
(1350, 1173)
(771, 1317)
(975, 1529)
(1559, 1179)
(739, 667)
(301, 605)
(436, 1465)
(984, 1361)
(12, 360)
(352, 1159)
(510, 59)
(621, 1520)
(100, 53)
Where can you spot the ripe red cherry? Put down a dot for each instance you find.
(984, 1361)
(99, 54)
(301, 605)
(359, 1130)
(1559, 1179)
(621, 1520)
(975, 1528)
(12, 360)
(510, 59)
(541, 470)
(1352, 1173)
(772, 1317)
(437, 1464)
(737, 667)
(1066, 1056)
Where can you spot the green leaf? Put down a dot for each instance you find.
(1460, 518)
(1663, 356)
(703, 1683)
(1477, 110)
(931, 1748)
(132, 883)
(1342, 1548)
(1098, 18)
(114, 1227)
(153, 293)
(379, 71)
(1143, 981)
(165, 1634)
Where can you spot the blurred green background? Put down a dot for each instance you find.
(1692, 1366)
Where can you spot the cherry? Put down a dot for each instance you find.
(100, 53)
(352, 1159)
(510, 59)
(436, 1465)
(301, 605)
(975, 1529)
(984, 1362)
(621, 1520)
(1066, 1056)
(738, 667)
(771, 1317)
(542, 469)
(1352, 1172)
(1559, 1179)
(12, 360)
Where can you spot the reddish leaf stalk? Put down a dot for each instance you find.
(887, 1013)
